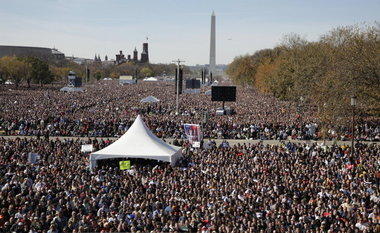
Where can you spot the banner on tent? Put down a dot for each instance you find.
(87, 148)
(125, 165)
(193, 133)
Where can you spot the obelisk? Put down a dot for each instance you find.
(212, 46)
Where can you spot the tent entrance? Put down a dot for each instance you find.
(114, 162)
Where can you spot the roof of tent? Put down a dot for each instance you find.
(150, 79)
(72, 89)
(138, 142)
(150, 99)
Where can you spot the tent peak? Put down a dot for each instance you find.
(138, 142)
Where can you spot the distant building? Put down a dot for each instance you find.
(57, 54)
(127, 79)
(135, 54)
(80, 61)
(144, 54)
(25, 51)
(97, 59)
(120, 58)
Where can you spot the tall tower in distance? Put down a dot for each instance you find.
(212, 46)
(135, 58)
(145, 53)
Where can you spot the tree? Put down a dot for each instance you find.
(115, 75)
(60, 73)
(242, 70)
(146, 72)
(344, 62)
(14, 69)
(25, 70)
(97, 75)
(263, 75)
(354, 66)
(41, 73)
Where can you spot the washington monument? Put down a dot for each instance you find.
(212, 45)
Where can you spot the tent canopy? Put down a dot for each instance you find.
(208, 92)
(72, 89)
(138, 142)
(150, 79)
(150, 99)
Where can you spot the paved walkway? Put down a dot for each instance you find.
(218, 141)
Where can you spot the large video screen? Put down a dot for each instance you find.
(193, 84)
(223, 93)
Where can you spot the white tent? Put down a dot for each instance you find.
(215, 83)
(150, 99)
(150, 79)
(72, 89)
(138, 142)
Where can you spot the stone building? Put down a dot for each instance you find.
(120, 58)
(25, 51)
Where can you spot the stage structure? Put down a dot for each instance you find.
(74, 83)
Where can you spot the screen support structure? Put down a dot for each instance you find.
(177, 92)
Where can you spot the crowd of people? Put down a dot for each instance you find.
(242, 188)
(107, 109)
(46, 184)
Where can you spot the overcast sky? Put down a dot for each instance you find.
(175, 28)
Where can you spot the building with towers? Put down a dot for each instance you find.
(135, 54)
(144, 54)
(120, 58)
(97, 58)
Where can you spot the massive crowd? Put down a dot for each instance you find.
(107, 109)
(47, 186)
(243, 188)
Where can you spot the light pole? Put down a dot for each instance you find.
(353, 104)
(86, 74)
(177, 93)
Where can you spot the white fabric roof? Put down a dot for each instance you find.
(150, 79)
(72, 89)
(138, 142)
(150, 99)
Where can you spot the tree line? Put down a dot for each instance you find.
(344, 62)
(28, 69)
(41, 71)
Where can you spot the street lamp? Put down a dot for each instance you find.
(353, 104)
